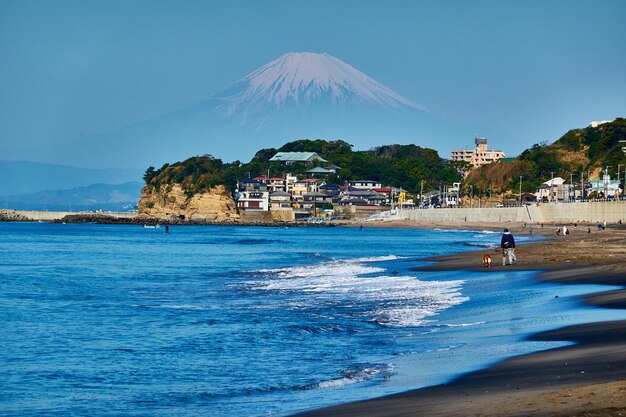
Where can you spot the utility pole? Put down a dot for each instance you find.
(606, 181)
(571, 185)
(582, 185)
(471, 195)
(520, 190)
(421, 192)
(440, 202)
(624, 180)
(551, 185)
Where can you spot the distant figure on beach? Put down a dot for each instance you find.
(589, 230)
(565, 231)
(167, 228)
(558, 231)
(507, 243)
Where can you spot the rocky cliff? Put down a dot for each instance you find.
(170, 202)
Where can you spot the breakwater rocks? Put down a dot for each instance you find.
(103, 218)
(12, 216)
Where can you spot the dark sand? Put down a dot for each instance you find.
(584, 379)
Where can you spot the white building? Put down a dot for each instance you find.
(606, 186)
(551, 190)
(599, 122)
(365, 184)
(252, 195)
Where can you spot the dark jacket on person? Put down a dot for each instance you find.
(507, 241)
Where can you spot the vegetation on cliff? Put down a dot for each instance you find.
(194, 175)
(403, 166)
(580, 152)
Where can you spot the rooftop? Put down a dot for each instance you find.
(296, 157)
(319, 170)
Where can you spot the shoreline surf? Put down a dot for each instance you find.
(550, 382)
(333, 307)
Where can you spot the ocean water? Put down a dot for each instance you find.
(117, 320)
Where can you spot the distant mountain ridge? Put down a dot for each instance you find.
(22, 177)
(296, 96)
(108, 197)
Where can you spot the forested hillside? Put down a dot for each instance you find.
(405, 166)
(580, 152)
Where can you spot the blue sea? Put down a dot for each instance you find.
(121, 320)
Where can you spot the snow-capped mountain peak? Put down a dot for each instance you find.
(305, 78)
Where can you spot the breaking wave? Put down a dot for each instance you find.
(361, 289)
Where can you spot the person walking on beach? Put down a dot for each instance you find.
(507, 243)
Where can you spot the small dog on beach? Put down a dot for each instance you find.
(487, 260)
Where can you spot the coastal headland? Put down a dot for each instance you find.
(587, 378)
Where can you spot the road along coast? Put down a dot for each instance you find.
(587, 378)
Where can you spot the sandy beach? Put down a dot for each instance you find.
(587, 378)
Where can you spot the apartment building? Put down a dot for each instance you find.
(478, 156)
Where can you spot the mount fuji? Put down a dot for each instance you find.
(296, 96)
(307, 79)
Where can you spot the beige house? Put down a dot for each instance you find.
(304, 186)
(280, 200)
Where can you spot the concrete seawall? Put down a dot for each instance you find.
(48, 216)
(592, 212)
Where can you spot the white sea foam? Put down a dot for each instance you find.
(356, 376)
(389, 300)
(453, 230)
(378, 258)
(465, 324)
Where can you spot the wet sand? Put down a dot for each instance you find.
(587, 378)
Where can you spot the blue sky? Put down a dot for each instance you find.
(526, 71)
